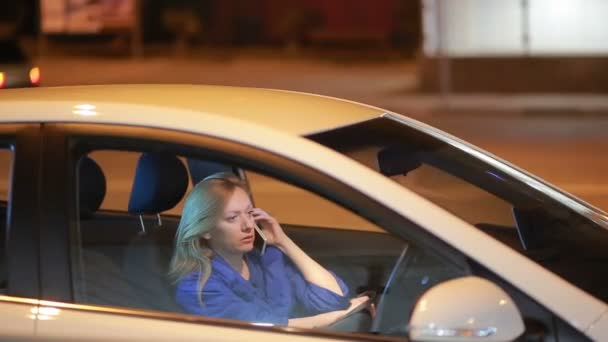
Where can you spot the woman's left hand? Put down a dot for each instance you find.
(272, 229)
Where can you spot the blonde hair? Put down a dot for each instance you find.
(202, 210)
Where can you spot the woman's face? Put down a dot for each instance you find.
(234, 233)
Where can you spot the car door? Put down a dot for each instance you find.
(75, 244)
(88, 266)
(19, 229)
(86, 283)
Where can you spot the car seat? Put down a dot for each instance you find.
(160, 182)
(98, 277)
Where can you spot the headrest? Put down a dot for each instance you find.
(160, 183)
(91, 187)
(200, 169)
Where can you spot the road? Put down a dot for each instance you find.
(568, 149)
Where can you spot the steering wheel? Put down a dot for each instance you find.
(399, 267)
(358, 319)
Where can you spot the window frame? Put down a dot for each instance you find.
(101, 136)
(23, 210)
(75, 140)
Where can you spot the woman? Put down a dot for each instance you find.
(219, 274)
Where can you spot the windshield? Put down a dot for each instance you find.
(532, 218)
(11, 53)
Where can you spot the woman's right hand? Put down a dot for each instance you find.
(272, 229)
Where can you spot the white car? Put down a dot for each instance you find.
(16, 68)
(456, 243)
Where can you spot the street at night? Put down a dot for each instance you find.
(303, 170)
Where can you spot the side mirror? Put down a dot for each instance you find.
(468, 308)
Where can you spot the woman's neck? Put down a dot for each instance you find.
(234, 260)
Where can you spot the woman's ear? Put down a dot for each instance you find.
(207, 236)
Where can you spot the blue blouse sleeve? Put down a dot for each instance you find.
(316, 299)
(221, 302)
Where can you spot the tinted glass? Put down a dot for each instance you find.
(537, 226)
(123, 258)
(11, 52)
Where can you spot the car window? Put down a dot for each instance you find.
(471, 203)
(300, 207)
(6, 159)
(124, 255)
(11, 52)
(512, 211)
(121, 166)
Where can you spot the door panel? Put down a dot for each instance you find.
(18, 319)
(78, 325)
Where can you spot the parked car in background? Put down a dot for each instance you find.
(16, 69)
(457, 244)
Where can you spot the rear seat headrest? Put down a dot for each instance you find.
(200, 169)
(160, 183)
(91, 187)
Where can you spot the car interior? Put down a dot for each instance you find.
(124, 256)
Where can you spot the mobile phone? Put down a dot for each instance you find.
(262, 236)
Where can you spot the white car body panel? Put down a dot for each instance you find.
(43, 320)
(567, 301)
(17, 317)
(75, 325)
(598, 331)
(263, 106)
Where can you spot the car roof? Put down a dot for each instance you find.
(287, 111)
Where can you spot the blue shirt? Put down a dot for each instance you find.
(275, 291)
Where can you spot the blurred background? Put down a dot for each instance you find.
(524, 79)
